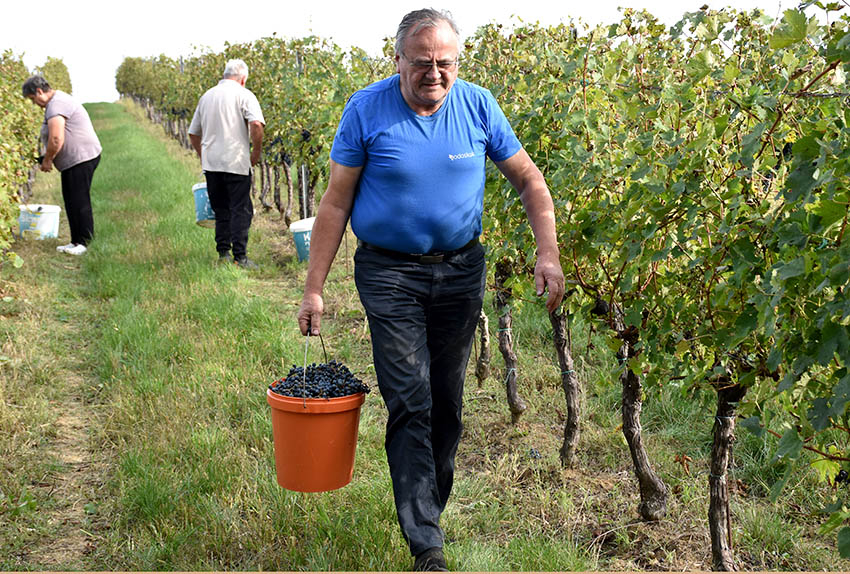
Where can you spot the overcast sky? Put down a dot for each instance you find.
(93, 37)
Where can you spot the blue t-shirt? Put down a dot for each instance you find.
(422, 185)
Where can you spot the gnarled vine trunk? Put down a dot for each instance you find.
(307, 187)
(653, 491)
(482, 362)
(569, 382)
(719, 518)
(290, 193)
(516, 404)
(265, 185)
(276, 189)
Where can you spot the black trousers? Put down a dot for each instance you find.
(422, 317)
(76, 192)
(230, 199)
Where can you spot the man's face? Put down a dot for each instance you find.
(39, 98)
(428, 67)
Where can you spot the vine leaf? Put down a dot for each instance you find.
(753, 424)
(841, 396)
(790, 445)
(818, 414)
(826, 469)
(793, 29)
(844, 542)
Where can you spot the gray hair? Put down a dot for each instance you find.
(415, 21)
(235, 69)
(33, 84)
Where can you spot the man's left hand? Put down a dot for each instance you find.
(46, 164)
(548, 275)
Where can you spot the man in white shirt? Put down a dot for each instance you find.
(227, 133)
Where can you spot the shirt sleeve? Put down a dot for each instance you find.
(195, 125)
(502, 143)
(348, 148)
(251, 110)
(58, 107)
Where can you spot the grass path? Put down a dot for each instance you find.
(48, 416)
(64, 379)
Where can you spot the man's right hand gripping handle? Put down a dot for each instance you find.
(310, 314)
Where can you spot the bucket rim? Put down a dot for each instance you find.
(302, 225)
(308, 406)
(39, 208)
(198, 186)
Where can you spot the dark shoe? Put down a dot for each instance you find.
(432, 560)
(246, 263)
(225, 257)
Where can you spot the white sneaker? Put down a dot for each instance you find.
(64, 248)
(78, 249)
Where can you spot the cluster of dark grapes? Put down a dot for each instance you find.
(322, 381)
(842, 476)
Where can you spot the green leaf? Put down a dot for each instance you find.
(613, 343)
(839, 49)
(774, 359)
(818, 414)
(802, 180)
(699, 66)
(721, 122)
(828, 343)
(779, 485)
(792, 268)
(792, 30)
(826, 469)
(834, 521)
(844, 542)
(750, 144)
(745, 324)
(753, 424)
(840, 397)
(830, 212)
(790, 445)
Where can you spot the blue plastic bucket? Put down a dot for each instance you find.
(38, 221)
(301, 231)
(204, 214)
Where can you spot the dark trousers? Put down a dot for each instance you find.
(230, 199)
(422, 318)
(76, 192)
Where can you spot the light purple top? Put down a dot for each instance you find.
(81, 143)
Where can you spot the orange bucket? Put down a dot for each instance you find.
(314, 440)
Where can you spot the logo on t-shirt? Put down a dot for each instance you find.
(461, 156)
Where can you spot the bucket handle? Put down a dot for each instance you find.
(304, 379)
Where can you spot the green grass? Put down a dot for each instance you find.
(168, 355)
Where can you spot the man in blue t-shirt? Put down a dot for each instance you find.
(407, 167)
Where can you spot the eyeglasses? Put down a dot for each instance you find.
(426, 65)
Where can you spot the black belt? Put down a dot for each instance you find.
(436, 257)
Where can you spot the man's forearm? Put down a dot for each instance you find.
(327, 232)
(540, 210)
(256, 130)
(195, 140)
